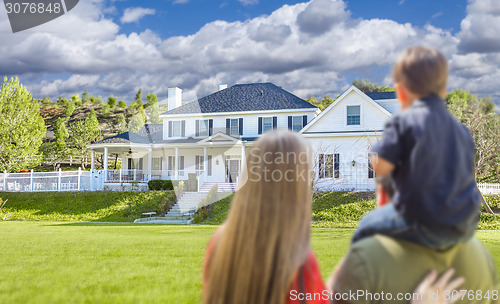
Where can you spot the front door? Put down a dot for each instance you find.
(232, 170)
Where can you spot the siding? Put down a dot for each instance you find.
(372, 118)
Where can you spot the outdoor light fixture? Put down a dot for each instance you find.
(353, 163)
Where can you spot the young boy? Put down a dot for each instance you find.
(431, 158)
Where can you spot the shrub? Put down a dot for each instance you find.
(158, 185)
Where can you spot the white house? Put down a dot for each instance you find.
(210, 136)
(207, 137)
(342, 137)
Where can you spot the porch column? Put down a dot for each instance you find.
(92, 161)
(105, 164)
(150, 163)
(205, 161)
(176, 168)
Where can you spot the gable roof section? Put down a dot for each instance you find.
(338, 100)
(244, 97)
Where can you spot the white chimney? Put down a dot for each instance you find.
(174, 98)
(222, 86)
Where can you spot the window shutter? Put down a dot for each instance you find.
(197, 130)
(260, 125)
(228, 126)
(209, 164)
(289, 122)
(241, 126)
(140, 163)
(210, 127)
(170, 129)
(181, 163)
(183, 128)
(275, 122)
(304, 121)
(321, 170)
(129, 161)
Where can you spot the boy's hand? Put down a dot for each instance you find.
(381, 166)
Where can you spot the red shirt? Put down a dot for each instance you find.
(310, 290)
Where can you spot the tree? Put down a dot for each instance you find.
(22, 128)
(120, 123)
(85, 97)
(105, 111)
(111, 101)
(84, 133)
(122, 104)
(58, 150)
(138, 98)
(69, 108)
(153, 112)
(366, 86)
(478, 115)
(76, 99)
(46, 100)
(323, 104)
(152, 99)
(136, 123)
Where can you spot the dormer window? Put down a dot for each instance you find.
(353, 115)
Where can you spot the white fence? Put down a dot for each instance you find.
(51, 181)
(487, 188)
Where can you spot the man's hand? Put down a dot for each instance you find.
(433, 290)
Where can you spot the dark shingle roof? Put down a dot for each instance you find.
(382, 95)
(245, 97)
(146, 135)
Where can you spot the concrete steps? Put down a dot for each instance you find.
(222, 187)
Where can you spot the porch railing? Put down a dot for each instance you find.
(48, 181)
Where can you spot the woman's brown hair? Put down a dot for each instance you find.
(266, 237)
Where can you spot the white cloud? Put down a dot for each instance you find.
(286, 47)
(134, 14)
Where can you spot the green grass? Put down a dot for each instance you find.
(345, 209)
(43, 262)
(84, 206)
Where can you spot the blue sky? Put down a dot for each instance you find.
(312, 47)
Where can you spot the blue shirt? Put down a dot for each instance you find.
(434, 176)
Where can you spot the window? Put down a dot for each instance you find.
(176, 129)
(297, 123)
(203, 127)
(171, 165)
(267, 124)
(353, 115)
(371, 173)
(234, 127)
(135, 163)
(156, 163)
(329, 165)
(199, 164)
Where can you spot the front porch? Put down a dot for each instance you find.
(215, 159)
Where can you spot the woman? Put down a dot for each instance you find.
(262, 253)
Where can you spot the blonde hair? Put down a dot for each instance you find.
(424, 71)
(266, 236)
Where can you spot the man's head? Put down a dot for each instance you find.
(420, 72)
(385, 189)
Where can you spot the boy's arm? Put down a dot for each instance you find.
(380, 165)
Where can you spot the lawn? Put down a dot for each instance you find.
(54, 262)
